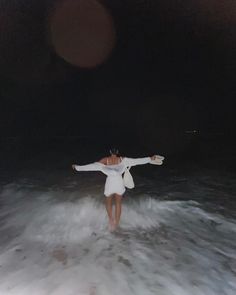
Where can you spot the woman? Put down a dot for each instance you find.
(113, 167)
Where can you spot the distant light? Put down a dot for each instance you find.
(192, 131)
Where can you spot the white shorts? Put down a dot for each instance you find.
(114, 185)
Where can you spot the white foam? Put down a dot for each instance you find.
(57, 242)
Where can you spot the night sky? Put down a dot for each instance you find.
(152, 70)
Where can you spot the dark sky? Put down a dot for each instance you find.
(172, 69)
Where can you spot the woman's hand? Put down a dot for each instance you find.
(153, 157)
(73, 166)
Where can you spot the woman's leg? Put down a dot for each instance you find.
(109, 211)
(118, 199)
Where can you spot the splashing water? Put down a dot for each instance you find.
(56, 241)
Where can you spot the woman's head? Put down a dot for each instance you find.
(114, 151)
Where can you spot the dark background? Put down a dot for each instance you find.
(172, 71)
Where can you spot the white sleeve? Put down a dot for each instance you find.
(137, 161)
(89, 167)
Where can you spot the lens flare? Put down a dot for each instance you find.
(82, 32)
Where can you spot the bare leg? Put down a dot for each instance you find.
(109, 212)
(118, 200)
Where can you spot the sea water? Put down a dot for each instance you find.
(177, 236)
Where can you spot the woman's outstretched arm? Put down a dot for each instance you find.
(89, 167)
(138, 161)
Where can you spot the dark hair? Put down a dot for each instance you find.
(114, 151)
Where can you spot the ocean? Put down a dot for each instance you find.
(177, 234)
